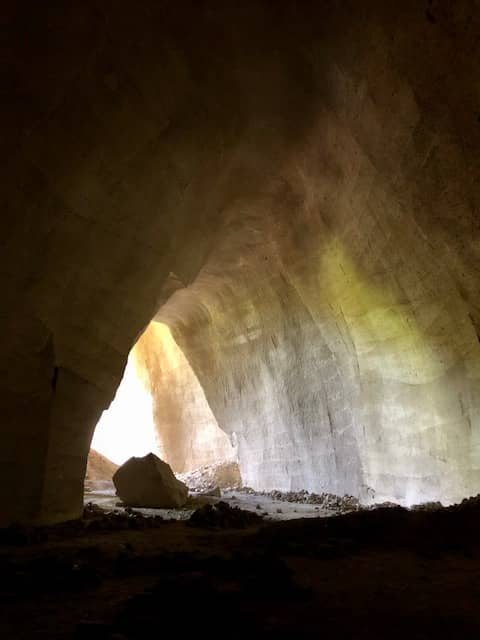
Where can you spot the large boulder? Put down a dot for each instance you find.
(149, 482)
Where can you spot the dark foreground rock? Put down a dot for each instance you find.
(221, 515)
(369, 575)
(149, 482)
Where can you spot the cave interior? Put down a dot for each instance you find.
(244, 233)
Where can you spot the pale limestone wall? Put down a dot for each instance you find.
(340, 346)
(338, 140)
(187, 431)
(349, 393)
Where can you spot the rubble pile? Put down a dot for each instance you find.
(97, 519)
(324, 500)
(223, 475)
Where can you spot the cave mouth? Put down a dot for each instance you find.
(161, 408)
(127, 427)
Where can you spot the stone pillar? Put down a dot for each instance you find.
(48, 415)
(76, 407)
(26, 390)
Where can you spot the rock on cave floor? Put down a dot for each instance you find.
(386, 573)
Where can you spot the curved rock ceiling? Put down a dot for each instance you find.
(309, 172)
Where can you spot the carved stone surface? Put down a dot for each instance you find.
(309, 174)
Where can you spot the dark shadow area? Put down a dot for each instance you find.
(383, 573)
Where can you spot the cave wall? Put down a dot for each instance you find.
(186, 429)
(353, 389)
(315, 163)
(340, 348)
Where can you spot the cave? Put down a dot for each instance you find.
(269, 212)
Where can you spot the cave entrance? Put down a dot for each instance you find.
(160, 407)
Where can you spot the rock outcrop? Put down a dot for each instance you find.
(149, 482)
(99, 467)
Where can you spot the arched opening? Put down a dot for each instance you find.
(161, 408)
(127, 427)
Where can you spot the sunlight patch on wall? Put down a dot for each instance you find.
(405, 350)
(391, 337)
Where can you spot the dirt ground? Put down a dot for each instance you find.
(385, 573)
(102, 493)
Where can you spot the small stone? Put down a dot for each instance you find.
(213, 493)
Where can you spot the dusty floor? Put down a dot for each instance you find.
(102, 493)
(388, 573)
